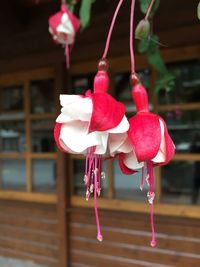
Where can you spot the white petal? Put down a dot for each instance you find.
(119, 143)
(160, 157)
(68, 99)
(65, 26)
(101, 149)
(74, 135)
(79, 109)
(122, 127)
(131, 162)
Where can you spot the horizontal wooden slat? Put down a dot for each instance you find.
(127, 239)
(130, 251)
(136, 237)
(29, 231)
(26, 222)
(29, 246)
(33, 209)
(174, 225)
(93, 259)
(45, 238)
(28, 197)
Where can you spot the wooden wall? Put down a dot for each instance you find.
(127, 237)
(29, 231)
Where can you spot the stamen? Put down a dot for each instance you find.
(142, 180)
(151, 196)
(99, 235)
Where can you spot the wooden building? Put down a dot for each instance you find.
(43, 214)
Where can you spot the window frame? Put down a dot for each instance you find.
(25, 78)
(122, 64)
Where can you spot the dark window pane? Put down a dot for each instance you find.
(13, 174)
(184, 128)
(82, 83)
(128, 186)
(12, 136)
(12, 98)
(42, 96)
(187, 87)
(123, 87)
(78, 167)
(42, 136)
(44, 175)
(181, 182)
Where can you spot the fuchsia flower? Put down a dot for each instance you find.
(94, 125)
(63, 27)
(151, 144)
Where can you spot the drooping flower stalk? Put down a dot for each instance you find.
(149, 9)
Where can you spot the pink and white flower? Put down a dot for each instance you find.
(94, 125)
(63, 27)
(150, 142)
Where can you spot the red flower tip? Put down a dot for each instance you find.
(57, 130)
(139, 95)
(123, 167)
(101, 82)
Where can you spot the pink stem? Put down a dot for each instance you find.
(149, 10)
(67, 56)
(99, 235)
(131, 36)
(111, 29)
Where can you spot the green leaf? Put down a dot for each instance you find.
(85, 12)
(165, 81)
(144, 5)
(198, 11)
(143, 46)
(142, 29)
(157, 62)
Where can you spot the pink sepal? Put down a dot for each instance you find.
(107, 112)
(145, 135)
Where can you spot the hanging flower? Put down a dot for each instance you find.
(63, 27)
(95, 125)
(151, 144)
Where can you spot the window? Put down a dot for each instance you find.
(27, 147)
(180, 180)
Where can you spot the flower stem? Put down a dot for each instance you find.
(149, 10)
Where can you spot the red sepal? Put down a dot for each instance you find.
(107, 112)
(145, 135)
